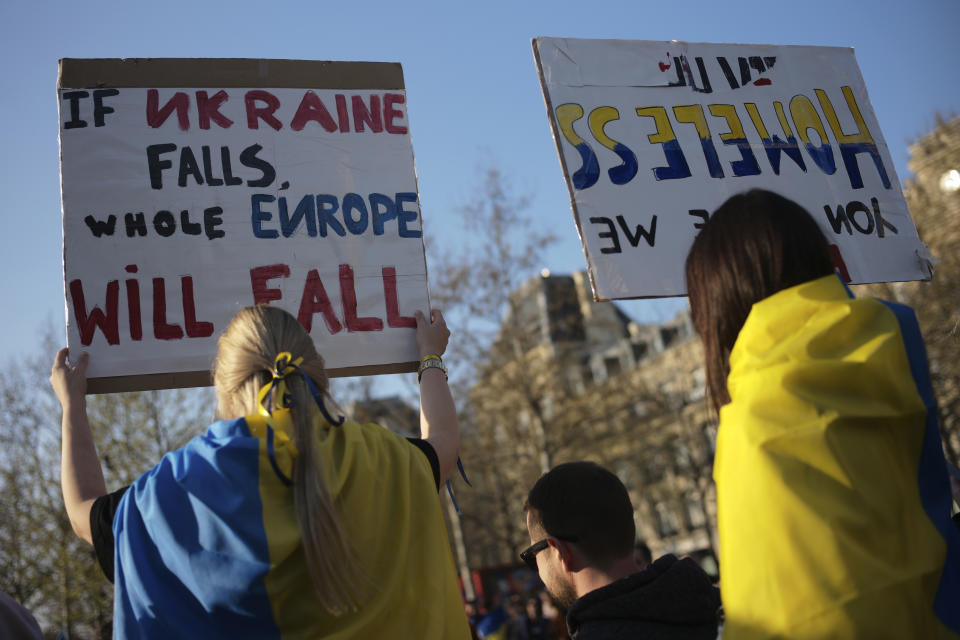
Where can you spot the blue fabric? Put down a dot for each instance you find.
(492, 623)
(191, 550)
(933, 480)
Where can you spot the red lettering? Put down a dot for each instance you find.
(348, 298)
(194, 329)
(312, 109)
(315, 300)
(180, 101)
(389, 113)
(264, 113)
(87, 324)
(209, 109)
(362, 116)
(838, 262)
(161, 329)
(133, 310)
(258, 282)
(394, 319)
(343, 116)
(133, 305)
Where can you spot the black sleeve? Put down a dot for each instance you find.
(101, 529)
(432, 458)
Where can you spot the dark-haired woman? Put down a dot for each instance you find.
(832, 493)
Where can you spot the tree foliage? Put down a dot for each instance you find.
(530, 399)
(42, 563)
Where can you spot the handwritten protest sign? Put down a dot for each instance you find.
(193, 188)
(653, 136)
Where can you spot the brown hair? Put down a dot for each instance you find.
(245, 358)
(756, 244)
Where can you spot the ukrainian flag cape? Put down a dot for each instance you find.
(832, 491)
(207, 543)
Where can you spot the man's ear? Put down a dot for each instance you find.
(566, 552)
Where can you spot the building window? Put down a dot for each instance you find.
(682, 456)
(639, 351)
(612, 365)
(668, 335)
(695, 515)
(667, 524)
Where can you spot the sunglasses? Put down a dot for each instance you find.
(529, 555)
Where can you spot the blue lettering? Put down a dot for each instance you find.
(258, 216)
(327, 206)
(304, 212)
(354, 202)
(403, 216)
(381, 209)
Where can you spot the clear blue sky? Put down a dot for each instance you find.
(473, 94)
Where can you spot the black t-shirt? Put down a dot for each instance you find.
(105, 508)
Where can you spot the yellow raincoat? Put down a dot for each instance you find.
(832, 491)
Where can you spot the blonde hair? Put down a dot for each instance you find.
(245, 357)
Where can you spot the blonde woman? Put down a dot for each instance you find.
(279, 521)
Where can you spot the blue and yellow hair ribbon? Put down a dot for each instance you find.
(275, 400)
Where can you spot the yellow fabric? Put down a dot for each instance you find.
(391, 510)
(822, 532)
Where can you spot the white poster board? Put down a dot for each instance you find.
(652, 136)
(193, 188)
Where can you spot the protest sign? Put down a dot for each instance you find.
(652, 136)
(193, 188)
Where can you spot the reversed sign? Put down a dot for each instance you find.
(193, 188)
(653, 136)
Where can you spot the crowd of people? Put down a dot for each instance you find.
(284, 520)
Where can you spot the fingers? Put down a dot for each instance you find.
(60, 360)
(82, 363)
(436, 318)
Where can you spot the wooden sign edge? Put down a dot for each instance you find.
(188, 379)
(120, 73)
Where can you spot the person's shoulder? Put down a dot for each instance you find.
(386, 447)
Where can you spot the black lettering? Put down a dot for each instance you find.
(248, 158)
(212, 220)
(99, 110)
(634, 239)
(74, 97)
(699, 213)
(610, 233)
(188, 166)
(165, 224)
(189, 228)
(228, 176)
(136, 223)
(881, 223)
(837, 220)
(744, 70)
(853, 208)
(99, 227)
(678, 63)
(157, 165)
(212, 180)
(704, 78)
(728, 72)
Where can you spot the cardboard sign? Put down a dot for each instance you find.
(193, 188)
(653, 136)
